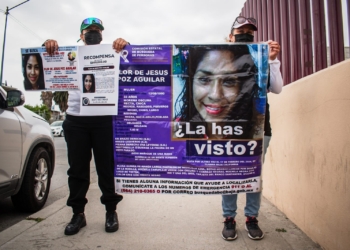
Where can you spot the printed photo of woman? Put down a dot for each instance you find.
(88, 83)
(32, 67)
(218, 97)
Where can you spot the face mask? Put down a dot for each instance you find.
(93, 37)
(244, 38)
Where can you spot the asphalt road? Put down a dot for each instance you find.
(59, 189)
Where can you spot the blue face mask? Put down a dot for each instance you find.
(93, 37)
(244, 38)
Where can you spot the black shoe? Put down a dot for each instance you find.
(254, 231)
(78, 221)
(229, 231)
(112, 223)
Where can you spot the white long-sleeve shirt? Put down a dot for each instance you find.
(276, 81)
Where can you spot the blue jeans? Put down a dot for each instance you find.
(229, 202)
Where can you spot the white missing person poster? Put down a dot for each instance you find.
(92, 70)
(99, 71)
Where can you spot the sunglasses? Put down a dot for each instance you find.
(242, 19)
(92, 20)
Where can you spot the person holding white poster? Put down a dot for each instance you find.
(84, 134)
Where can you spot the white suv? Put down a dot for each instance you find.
(27, 153)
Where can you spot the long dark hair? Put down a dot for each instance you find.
(40, 81)
(243, 110)
(92, 89)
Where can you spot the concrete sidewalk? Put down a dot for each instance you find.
(153, 222)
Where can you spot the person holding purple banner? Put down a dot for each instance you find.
(84, 134)
(219, 93)
(242, 30)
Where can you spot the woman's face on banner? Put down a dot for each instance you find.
(215, 85)
(88, 82)
(32, 70)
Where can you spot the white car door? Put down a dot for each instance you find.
(10, 146)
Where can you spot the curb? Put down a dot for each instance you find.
(22, 226)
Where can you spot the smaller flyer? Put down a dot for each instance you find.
(58, 72)
(92, 70)
(99, 73)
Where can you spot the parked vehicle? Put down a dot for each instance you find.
(56, 128)
(27, 153)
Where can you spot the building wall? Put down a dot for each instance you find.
(307, 166)
(346, 55)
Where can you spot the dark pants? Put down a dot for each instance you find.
(83, 134)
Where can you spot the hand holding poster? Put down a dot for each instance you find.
(196, 131)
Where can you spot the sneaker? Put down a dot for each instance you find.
(254, 231)
(229, 231)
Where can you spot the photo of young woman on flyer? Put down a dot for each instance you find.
(88, 83)
(33, 74)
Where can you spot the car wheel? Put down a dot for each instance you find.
(35, 187)
(62, 133)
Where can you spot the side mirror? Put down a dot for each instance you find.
(14, 98)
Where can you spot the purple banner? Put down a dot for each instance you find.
(190, 119)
